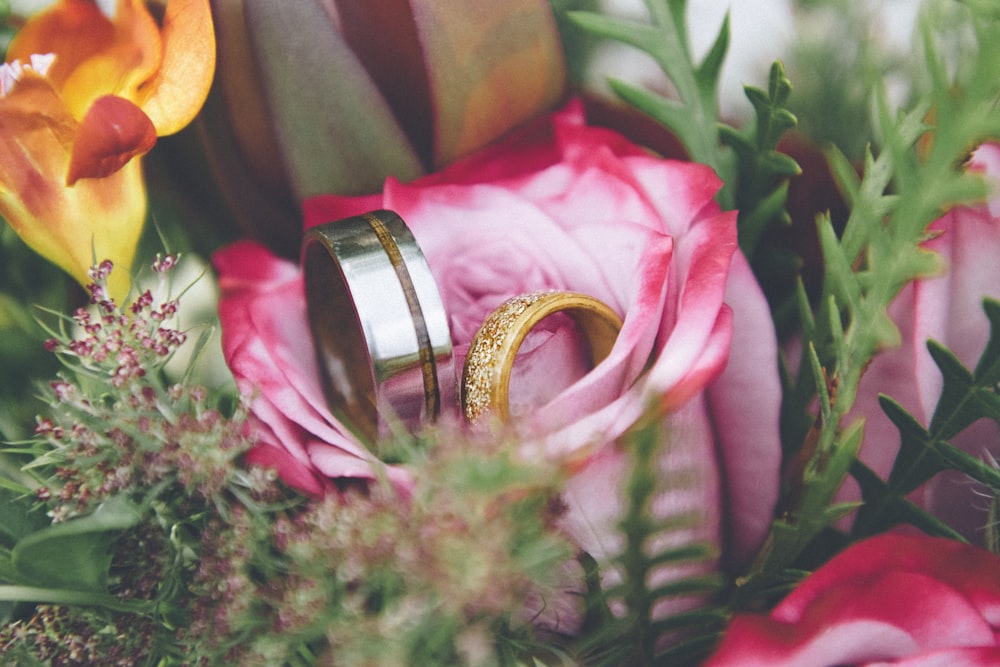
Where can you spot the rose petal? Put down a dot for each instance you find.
(267, 343)
(289, 469)
(886, 598)
(750, 461)
(967, 657)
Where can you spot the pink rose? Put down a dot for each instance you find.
(892, 599)
(560, 205)
(949, 310)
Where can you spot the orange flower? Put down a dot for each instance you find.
(86, 89)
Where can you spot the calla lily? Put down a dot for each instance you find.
(366, 91)
(87, 89)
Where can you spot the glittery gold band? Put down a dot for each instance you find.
(486, 376)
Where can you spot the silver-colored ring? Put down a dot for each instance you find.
(379, 325)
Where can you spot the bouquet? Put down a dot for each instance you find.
(521, 333)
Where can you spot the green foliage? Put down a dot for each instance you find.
(966, 397)
(371, 577)
(754, 174)
(75, 554)
(654, 551)
(693, 117)
(26, 280)
(762, 185)
(903, 188)
(125, 465)
(135, 517)
(6, 30)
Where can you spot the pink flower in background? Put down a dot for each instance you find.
(948, 309)
(558, 205)
(890, 600)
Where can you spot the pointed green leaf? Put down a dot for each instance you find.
(884, 509)
(68, 597)
(76, 554)
(737, 140)
(839, 275)
(954, 458)
(988, 403)
(779, 88)
(954, 410)
(19, 517)
(988, 369)
(634, 33)
(668, 112)
(758, 98)
(780, 164)
(710, 68)
(678, 16)
(844, 173)
(334, 128)
(917, 461)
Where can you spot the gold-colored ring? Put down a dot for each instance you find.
(486, 375)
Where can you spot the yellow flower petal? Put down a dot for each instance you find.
(71, 226)
(94, 56)
(181, 85)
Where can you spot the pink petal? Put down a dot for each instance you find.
(289, 469)
(967, 657)
(750, 461)
(268, 345)
(986, 158)
(886, 598)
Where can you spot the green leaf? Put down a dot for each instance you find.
(634, 637)
(917, 461)
(20, 517)
(892, 509)
(955, 409)
(68, 597)
(815, 512)
(634, 33)
(711, 67)
(780, 164)
(965, 398)
(76, 554)
(693, 117)
(988, 369)
(763, 172)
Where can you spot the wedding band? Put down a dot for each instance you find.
(486, 375)
(379, 325)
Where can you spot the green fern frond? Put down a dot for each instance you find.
(966, 397)
(755, 175)
(626, 621)
(905, 186)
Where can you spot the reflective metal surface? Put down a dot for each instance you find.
(380, 328)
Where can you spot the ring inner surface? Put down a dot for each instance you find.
(342, 351)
